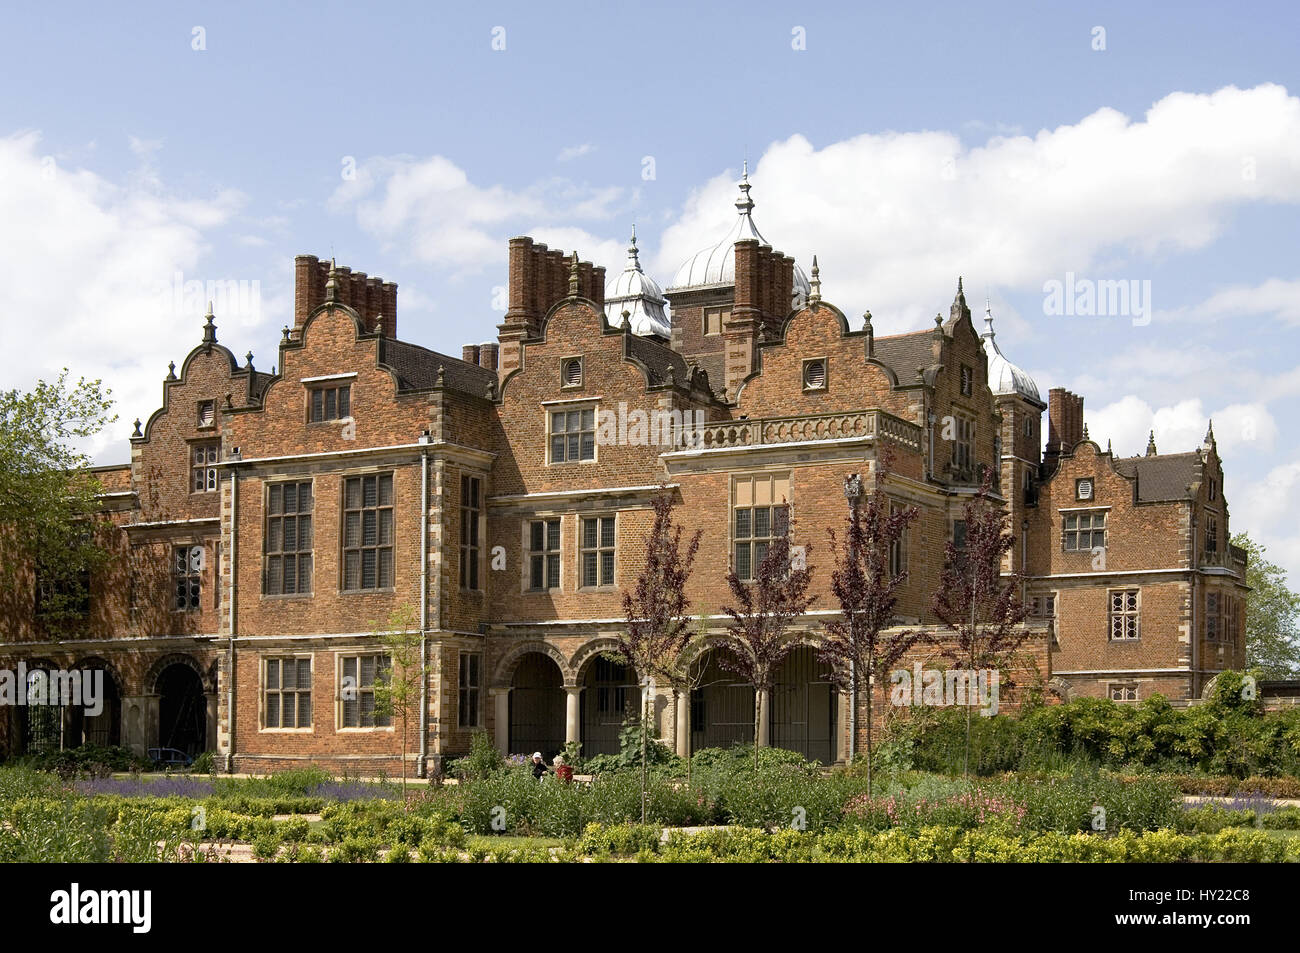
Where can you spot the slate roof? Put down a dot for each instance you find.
(417, 368)
(904, 353)
(1163, 477)
(658, 358)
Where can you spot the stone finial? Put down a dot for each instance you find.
(332, 283)
(442, 377)
(209, 328)
(137, 433)
(672, 376)
(491, 390)
(815, 285)
(573, 275)
(171, 370)
(1209, 434)
(1151, 444)
(379, 324)
(627, 320)
(871, 333)
(1108, 448)
(284, 332)
(249, 359)
(1085, 432)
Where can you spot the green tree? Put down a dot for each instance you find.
(397, 692)
(51, 517)
(1272, 612)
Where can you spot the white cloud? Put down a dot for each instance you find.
(895, 217)
(1239, 429)
(86, 259)
(1275, 299)
(431, 210)
(575, 152)
(1265, 509)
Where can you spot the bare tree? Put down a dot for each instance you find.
(861, 647)
(397, 688)
(757, 639)
(658, 630)
(976, 601)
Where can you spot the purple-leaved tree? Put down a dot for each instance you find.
(757, 639)
(861, 646)
(658, 633)
(979, 604)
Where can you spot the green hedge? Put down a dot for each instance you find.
(1224, 736)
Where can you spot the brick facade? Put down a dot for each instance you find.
(791, 401)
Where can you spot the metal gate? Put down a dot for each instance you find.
(803, 710)
(609, 698)
(722, 709)
(537, 707)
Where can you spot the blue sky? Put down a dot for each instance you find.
(904, 145)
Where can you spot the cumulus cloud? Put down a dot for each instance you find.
(1265, 509)
(895, 217)
(91, 269)
(432, 210)
(1239, 429)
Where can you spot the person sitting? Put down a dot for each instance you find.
(539, 766)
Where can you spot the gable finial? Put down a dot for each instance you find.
(171, 370)
(332, 283)
(1085, 432)
(442, 376)
(1209, 433)
(284, 332)
(209, 328)
(137, 433)
(815, 285)
(249, 358)
(1151, 444)
(573, 275)
(626, 325)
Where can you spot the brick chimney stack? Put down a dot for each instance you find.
(539, 278)
(764, 290)
(372, 298)
(1064, 422)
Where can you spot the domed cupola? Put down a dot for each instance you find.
(1005, 379)
(716, 266)
(638, 294)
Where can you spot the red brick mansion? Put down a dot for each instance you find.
(269, 523)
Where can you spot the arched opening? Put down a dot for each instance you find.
(609, 698)
(41, 716)
(182, 709)
(537, 706)
(722, 707)
(803, 706)
(105, 727)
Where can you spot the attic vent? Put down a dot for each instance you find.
(1083, 489)
(572, 372)
(814, 374)
(207, 413)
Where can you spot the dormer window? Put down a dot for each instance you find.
(207, 413)
(330, 403)
(814, 374)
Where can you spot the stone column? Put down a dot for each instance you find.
(683, 724)
(501, 708)
(210, 720)
(572, 714)
(842, 727)
(764, 712)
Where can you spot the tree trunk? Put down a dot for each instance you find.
(869, 747)
(645, 745)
